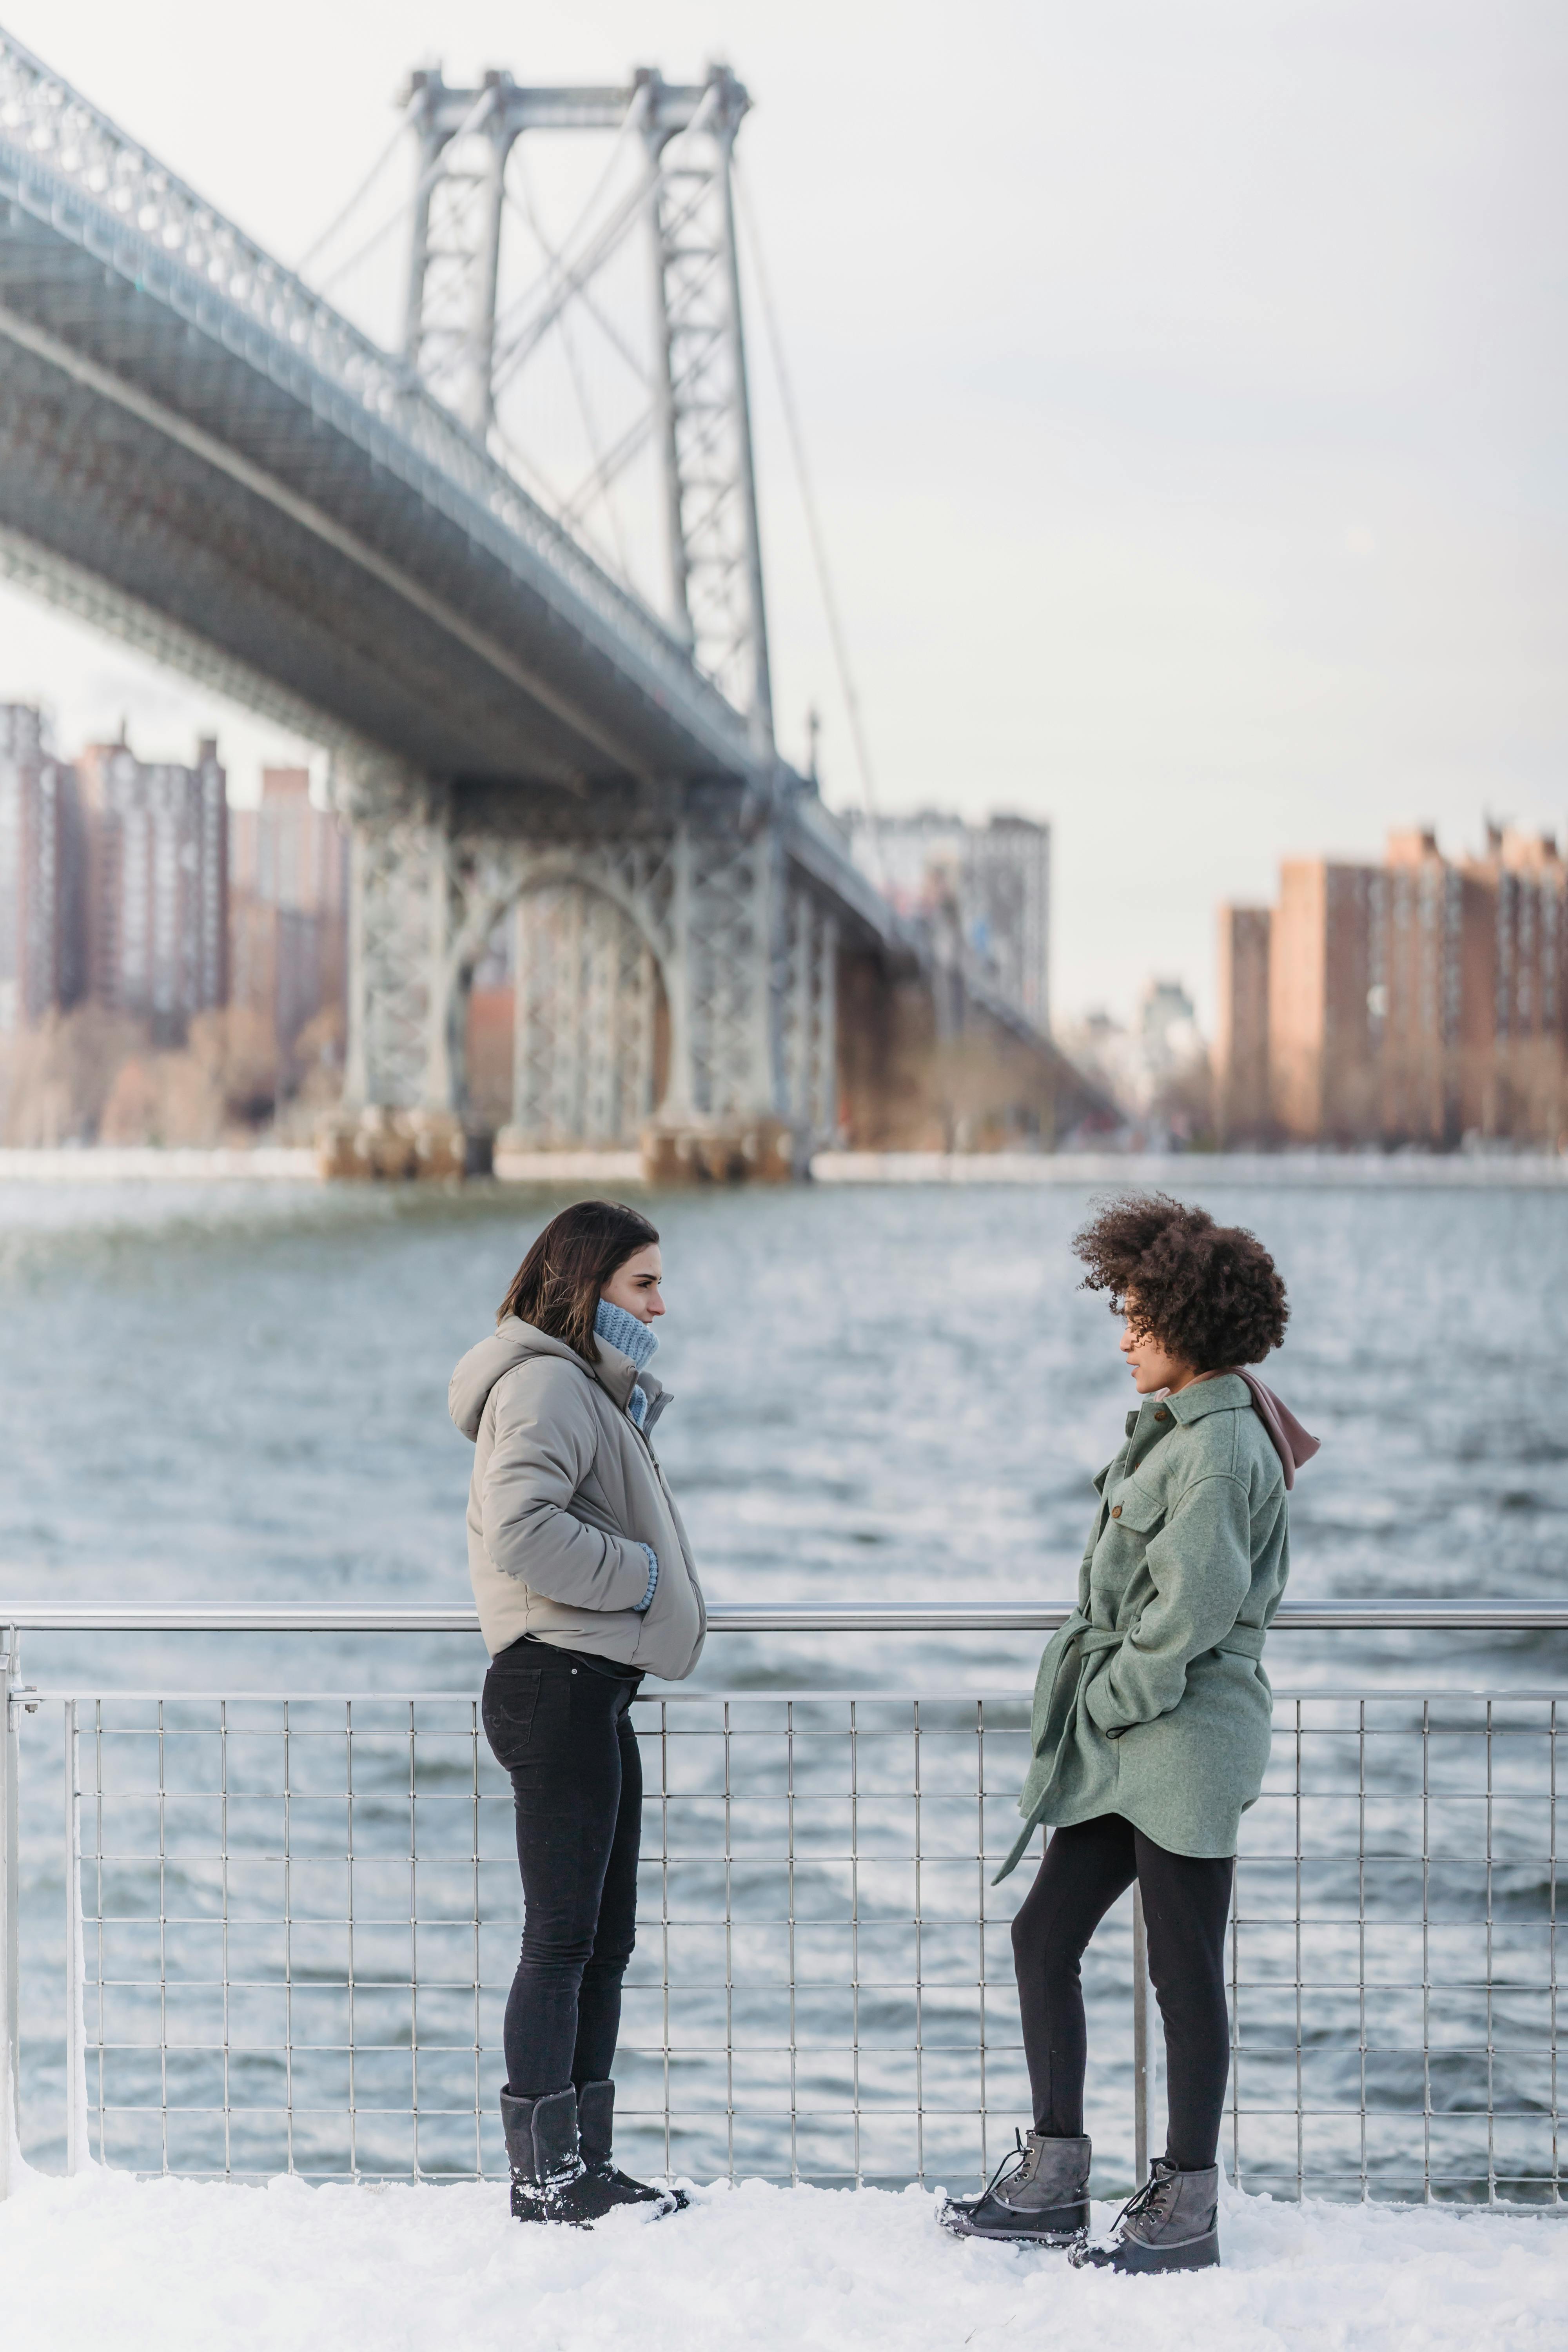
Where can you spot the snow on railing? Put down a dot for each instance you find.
(291, 1921)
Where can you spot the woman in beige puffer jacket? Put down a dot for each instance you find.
(584, 1581)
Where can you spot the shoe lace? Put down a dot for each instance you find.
(1143, 2199)
(1011, 2163)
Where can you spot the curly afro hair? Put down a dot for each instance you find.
(1210, 1294)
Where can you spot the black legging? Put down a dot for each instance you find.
(1187, 1903)
(563, 1732)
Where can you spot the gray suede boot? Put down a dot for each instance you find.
(1172, 2224)
(596, 2130)
(1038, 2196)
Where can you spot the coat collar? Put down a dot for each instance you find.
(1224, 1394)
(617, 1376)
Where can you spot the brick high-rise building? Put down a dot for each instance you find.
(289, 880)
(1514, 1072)
(1322, 971)
(41, 874)
(1428, 967)
(1416, 1003)
(286, 852)
(1242, 1109)
(157, 889)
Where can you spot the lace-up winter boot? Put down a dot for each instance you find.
(1038, 2196)
(550, 2182)
(1172, 2224)
(595, 2126)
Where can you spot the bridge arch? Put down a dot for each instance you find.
(587, 1058)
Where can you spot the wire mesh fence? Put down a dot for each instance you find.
(1395, 1952)
(298, 1919)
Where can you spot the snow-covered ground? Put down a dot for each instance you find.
(164, 2265)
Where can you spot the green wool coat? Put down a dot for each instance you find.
(1152, 1701)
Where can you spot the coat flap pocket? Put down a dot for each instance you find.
(1137, 1508)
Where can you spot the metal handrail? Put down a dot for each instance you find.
(785, 1617)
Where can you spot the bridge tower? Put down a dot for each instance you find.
(698, 407)
(668, 959)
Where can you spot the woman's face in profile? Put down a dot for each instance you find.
(635, 1284)
(1153, 1367)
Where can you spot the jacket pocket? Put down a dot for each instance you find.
(1137, 1508)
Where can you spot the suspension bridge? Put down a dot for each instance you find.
(503, 561)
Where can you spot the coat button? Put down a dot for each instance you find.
(1162, 1414)
(1116, 1510)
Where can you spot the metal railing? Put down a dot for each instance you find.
(290, 1923)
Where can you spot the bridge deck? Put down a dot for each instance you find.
(188, 426)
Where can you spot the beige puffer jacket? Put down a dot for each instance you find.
(566, 1490)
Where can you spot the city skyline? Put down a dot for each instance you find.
(1202, 510)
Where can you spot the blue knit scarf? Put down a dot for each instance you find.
(633, 1339)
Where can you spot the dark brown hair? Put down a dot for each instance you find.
(1210, 1294)
(557, 1286)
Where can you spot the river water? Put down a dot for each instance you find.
(238, 1395)
(223, 1395)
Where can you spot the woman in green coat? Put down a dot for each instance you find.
(1152, 1721)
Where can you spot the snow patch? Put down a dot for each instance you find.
(162, 2265)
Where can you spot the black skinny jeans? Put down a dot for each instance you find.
(565, 1734)
(1187, 1903)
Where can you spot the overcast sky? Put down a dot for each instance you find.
(1182, 380)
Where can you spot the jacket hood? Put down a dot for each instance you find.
(513, 1342)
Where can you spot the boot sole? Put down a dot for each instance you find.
(1072, 2226)
(662, 2201)
(1131, 2258)
(641, 2192)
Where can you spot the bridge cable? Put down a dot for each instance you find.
(599, 483)
(354, 203)
(427, 179)
(813, 518)
(362, 252)
(569, 273)
(556, 262)
(573, 271)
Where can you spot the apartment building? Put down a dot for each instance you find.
(1410, 1003)
(41, 874)
(289, 882)
(157, 884)
(1516, 1033)
(1321, 973)
(1242, 1110)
